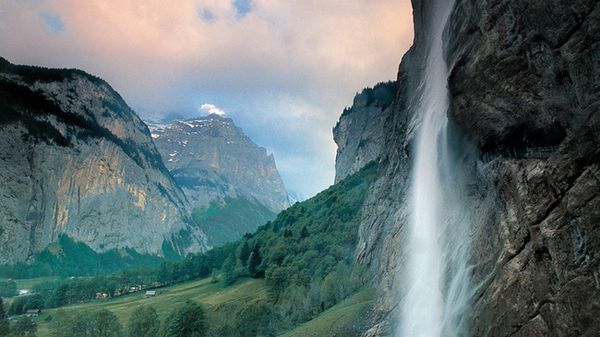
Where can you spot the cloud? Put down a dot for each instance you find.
(211, 109)
(284, 72)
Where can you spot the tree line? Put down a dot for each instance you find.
(306, 257)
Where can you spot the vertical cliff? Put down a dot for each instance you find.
(76, 160)
(525, 90)
(232, 184)
(211, 159)
(524, 124)
(358, 132)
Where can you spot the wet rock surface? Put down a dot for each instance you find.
(525, 74)
(525, 108)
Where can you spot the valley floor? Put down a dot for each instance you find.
(203, 291)
(337, 321)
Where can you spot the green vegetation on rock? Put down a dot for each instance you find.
(4, 326)
(69, 258)
(302, 264)
(230, 220)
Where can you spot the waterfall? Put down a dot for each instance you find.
(438, 235)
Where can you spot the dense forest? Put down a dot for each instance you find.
(305, 255)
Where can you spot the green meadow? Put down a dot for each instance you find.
(213, 295)
(208, 293)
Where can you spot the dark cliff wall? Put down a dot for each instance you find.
(525, 89)
(524, 117)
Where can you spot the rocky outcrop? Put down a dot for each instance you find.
(358, 132)
(525, 119)
(232, 184)
(212, 159)
(76, 160)
(526, 75)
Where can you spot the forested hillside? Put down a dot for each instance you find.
(304, 259)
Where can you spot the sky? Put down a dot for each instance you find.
(283, 70)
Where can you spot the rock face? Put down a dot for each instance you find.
(77, 160)
(525, 118)
(211, 159)
(358, 132)
(232, 184)
(526, 76)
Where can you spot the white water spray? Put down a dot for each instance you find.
(437, 274)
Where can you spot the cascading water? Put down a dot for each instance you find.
(437, 274)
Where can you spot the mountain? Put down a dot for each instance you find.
(358, 132)
(523, 123)
(232, 184)
(76, 160)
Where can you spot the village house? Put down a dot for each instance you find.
(150, 293)
(101, 296)
(33, 312)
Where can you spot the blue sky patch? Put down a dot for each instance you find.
(242, 7)
(206, 15)
(53, 22)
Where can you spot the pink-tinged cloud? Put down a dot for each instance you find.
(289, 67)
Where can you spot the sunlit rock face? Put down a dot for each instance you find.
(523, 120)
(212, 159)
(77, 160)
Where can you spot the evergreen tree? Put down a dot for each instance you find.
(144, 322)
(188, 321)
(103, 323)
(4, 327)
(164, 273)
(24, 327)
(287, 233)
(8, 288)
(229, 274)
(244, 253)
(303, 233)
(254, 262)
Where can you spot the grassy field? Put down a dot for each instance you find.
(203, 291)
(27, 284)
(333, 322)
(339, 320)
(30, 283)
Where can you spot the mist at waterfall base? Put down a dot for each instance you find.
(437, 272)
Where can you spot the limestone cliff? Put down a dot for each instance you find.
(77, 160)
(358, 132)
(525, 119)
(211, 159)
(232, 184)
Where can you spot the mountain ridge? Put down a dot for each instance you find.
(217, 165)
(78, 161)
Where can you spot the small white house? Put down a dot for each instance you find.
(23, 292)
(33, 312)
(150, 293)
